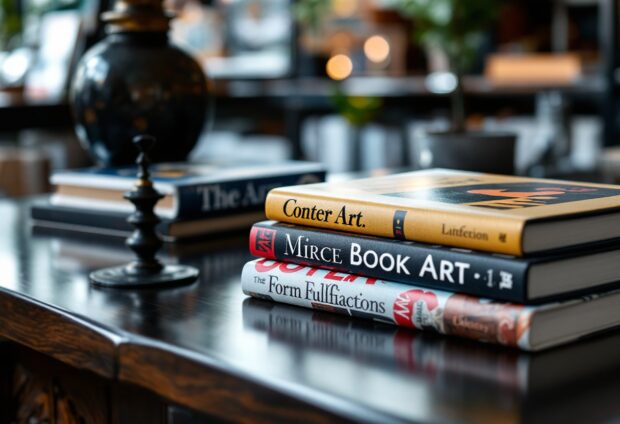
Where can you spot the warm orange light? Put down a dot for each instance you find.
(376, 49)
(344, 8)
(339, 67)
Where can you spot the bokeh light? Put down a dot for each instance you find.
(339, 67)
(377, 49)
(344, 8)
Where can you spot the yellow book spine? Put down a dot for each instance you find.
(451, 228)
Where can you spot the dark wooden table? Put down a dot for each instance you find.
(74, 353)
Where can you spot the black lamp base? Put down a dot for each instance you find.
(119, 277)
(146, 271)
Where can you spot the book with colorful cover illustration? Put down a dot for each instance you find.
(526, 327)
(190, 190)
(494, 213)
(496, 276)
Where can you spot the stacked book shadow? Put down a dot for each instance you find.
(528, 263)
(199, 199)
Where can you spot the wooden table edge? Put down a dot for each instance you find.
(62, 335)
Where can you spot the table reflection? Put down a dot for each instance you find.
(460, 378)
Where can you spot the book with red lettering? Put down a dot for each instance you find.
(529, 328)
(523, 280)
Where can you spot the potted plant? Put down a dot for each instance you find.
(456, 27)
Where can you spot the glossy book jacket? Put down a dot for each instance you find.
(492, 213)
(525, 327)
(496, 276)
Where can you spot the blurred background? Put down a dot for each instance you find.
(356, 84)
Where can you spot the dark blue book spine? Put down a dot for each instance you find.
(231, 197)
(438, 267)
(88, 219)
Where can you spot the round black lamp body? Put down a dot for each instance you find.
(134, 82)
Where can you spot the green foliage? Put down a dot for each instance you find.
(358, 110)
(311, 13)
(10, 23)
(455, 26)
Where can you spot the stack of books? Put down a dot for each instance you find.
(199, 199)
(527, 263)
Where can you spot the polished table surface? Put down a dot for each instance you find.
(209, 348)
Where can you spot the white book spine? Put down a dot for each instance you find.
(105, 205)
(401, 304)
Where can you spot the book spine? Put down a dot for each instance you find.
(414, 307)
(88, 220)
(213, 199)
(405, 262)
(446, 227)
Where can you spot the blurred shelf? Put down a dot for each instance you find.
(309, 95)
(412, 86)
(18, 112)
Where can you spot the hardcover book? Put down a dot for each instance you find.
(114, 224)
(190, 190)
(526, 327)
(494, 213)
(496, 276)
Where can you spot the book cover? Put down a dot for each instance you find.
(422, 308)
(190, 190)
(495, 276)
(486, 212)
